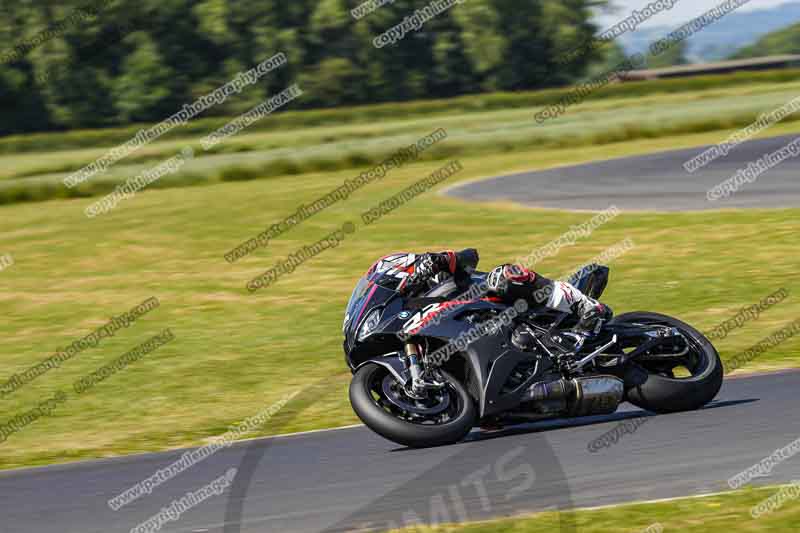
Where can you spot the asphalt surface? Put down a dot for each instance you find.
(653, 182)
(348, 479)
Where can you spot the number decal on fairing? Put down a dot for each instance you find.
(421, 318)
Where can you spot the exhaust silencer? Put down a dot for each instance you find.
(594, 395)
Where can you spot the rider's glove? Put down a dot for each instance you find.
(426, 267)
(593, 317)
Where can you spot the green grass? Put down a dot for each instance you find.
(235, 352)
(472, 131)
(711, 514)
(396, 111)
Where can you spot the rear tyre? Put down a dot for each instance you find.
(654, 387)
(443, 417)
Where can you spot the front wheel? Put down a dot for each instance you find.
(673, 384)
(443, 417)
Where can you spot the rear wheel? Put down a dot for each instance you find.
(670, 384)
(443, 416)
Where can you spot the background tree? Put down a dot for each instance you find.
(113, 62)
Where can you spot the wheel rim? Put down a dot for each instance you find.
(694, 362)
(437, 407)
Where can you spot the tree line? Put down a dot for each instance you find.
(116, 62)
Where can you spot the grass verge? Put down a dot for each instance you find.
(235, 353)
(710, 514)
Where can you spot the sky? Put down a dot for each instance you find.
(683, 11)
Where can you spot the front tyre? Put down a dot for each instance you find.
(654, 385)
(442, 417)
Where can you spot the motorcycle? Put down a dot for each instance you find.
(428, 368)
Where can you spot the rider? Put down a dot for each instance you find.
(510, 282)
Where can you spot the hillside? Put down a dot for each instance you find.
(714, 43)
(785, 41)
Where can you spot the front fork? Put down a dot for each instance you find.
(419, 385)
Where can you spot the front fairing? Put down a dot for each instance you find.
(375, 300)
(374, 293)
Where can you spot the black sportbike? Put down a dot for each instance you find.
(429, 368)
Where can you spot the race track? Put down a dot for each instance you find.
(348, 479)
(653, 182)
(351, 479)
